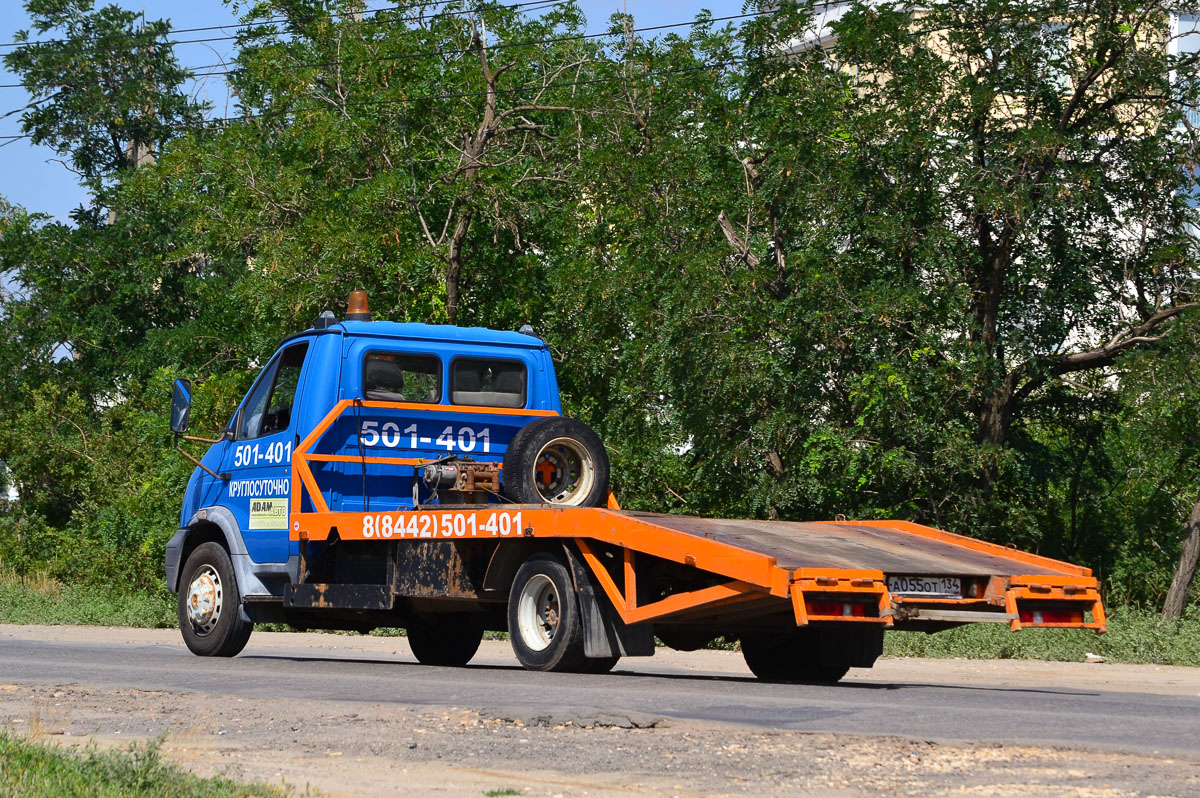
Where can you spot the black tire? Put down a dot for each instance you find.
(212, 625)
(449, 640)
(766, 657)
(571, 458)
(544, 623)
(598, 664)
(790, 658)
(681, 638)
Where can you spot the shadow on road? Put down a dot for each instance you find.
(609, 679)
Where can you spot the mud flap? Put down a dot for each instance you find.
(605, 634)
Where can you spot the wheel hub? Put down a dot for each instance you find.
(564, 472)
(204, 600)
(538, 613)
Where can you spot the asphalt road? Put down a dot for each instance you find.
(1099, 719)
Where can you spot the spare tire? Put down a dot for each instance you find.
(556, 460)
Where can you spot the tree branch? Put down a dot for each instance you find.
(1122, 341)
(742, 248)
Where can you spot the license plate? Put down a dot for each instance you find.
(928, 586)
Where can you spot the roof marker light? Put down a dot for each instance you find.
(357, 309)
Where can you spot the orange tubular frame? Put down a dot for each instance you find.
(752, 578)
(302, 472)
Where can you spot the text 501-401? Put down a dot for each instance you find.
(464, 439)
(494, 523)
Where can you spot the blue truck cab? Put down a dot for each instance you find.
(393, 414)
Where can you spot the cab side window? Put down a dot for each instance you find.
(489, 383)
(268, 409)
(401, 377)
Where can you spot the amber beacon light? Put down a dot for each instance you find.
(357, 310)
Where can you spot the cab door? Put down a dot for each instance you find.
(260, 457)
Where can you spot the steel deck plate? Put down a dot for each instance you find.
(827, 545)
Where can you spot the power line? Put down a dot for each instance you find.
(235, 25)
(461, 95)
(220, 121)
(8, 139)
(1066, 6)
(271, 20)
(450, 52)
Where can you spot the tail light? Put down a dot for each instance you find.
(1051, 616)
(842, 609)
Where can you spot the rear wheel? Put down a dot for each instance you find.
(681, 638)
(543, 617)
(447, 640)
(599, 664)
(209, 604)
(793, 657)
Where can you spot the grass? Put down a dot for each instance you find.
(1135, 635)
(41, 600)
(33, 770)
(503, 791)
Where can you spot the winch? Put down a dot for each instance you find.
(462, 480)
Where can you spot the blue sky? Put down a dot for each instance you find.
(31, 177)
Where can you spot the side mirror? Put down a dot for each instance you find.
(181, 406)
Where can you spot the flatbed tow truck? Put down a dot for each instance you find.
(382, 474)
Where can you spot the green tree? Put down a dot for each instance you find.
(893, 277)
(416, 153)
(105, 89)
(1050, 145)
(98, 306)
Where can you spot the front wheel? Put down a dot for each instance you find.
(543, 616)
(210, 606)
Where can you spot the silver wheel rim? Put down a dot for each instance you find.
(205, 598)
(538, 612)
(564, 472)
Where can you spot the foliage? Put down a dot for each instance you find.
(103, 81)
(48, 771)
(942, 271)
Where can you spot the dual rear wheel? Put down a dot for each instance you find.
(544, 623)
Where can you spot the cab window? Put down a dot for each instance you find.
(488, 383)
(268, 409)
(402, 377)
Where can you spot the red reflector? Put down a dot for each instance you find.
(1051, 616)
(846, 609)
